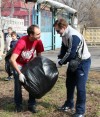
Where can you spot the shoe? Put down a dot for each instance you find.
(65, 108)
(78, 115)
(18, 109)
(8, 79)
(32, 109)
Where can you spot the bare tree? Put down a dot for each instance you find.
(4, 6)
(87, 10)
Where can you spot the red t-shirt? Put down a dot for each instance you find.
(25, 49)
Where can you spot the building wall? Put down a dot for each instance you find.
(15, 23)
(18, 9)
(92, 35)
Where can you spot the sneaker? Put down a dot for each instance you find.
(8, 79)
(65, 108)
(32, 109)
(18, 109)
(78, 115)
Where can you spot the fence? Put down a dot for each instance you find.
(92, 35)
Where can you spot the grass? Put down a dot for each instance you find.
(47, 106)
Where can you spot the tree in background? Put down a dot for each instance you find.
(88, 11)
(17, 9)
(8, 5)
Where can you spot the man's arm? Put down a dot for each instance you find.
(8, 40)
(14, 63)
(38, 54)
(63, 51)
(73, 44)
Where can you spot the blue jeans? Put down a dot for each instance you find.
(18, 92)
(78, 79)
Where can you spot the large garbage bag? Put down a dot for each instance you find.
(41, 75)
(8, 67)
(8, 55)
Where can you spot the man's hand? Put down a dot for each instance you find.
(21, 78)
(57, 63)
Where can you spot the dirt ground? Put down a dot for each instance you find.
(49, 103)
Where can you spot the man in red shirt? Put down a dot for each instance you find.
(22, 54)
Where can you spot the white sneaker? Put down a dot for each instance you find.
(78, 115)
(65, 108)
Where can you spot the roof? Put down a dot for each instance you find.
(16, 13)
(57, 5)
(20, 13)
(5, 13)
(23, 4)
(17, 4)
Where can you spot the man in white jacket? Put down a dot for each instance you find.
(7, 48)
(8, 39)
(73, 46)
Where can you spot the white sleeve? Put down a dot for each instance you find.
(7, 45)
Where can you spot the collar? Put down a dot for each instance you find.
(66, 31)
(8, 35)
(15, 39)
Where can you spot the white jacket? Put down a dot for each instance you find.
(8, 41)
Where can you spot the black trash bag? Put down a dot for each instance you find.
(41, 75)
(8, 66)
(8, 55)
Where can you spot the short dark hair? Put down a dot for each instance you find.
(13, 33)
(30, 30)
(60, 23)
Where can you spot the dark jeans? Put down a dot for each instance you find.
(78, 79)
(18, 92)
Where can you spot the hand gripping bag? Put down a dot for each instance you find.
(41, 75)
